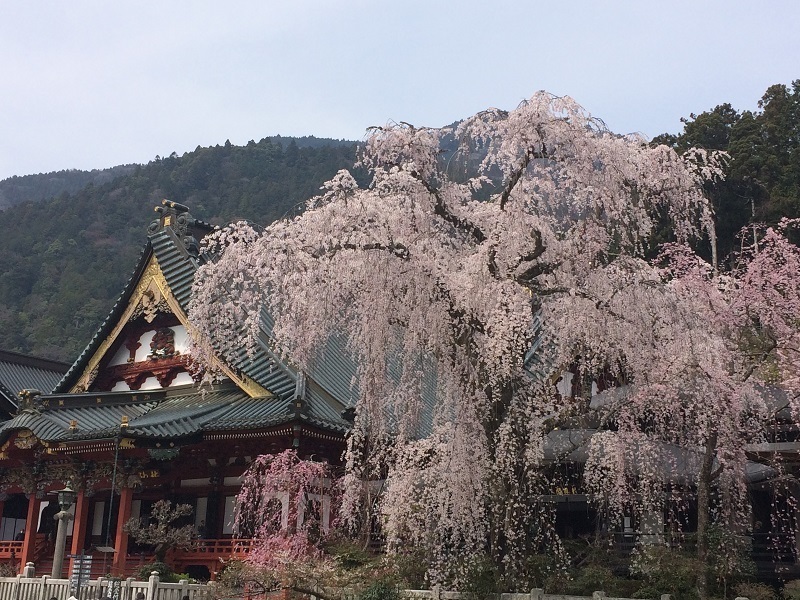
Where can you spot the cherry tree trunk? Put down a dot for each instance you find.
(703, 510)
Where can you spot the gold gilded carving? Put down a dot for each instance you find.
(149, 305)
(153, 280)
(126, 443)
(25, 439)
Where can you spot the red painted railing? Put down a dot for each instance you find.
(210, 553)
(228, 548)
(9, 549)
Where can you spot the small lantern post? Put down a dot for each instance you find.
(66, 498)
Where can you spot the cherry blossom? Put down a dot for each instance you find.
(467, 247)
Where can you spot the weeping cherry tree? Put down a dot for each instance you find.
(468, 246)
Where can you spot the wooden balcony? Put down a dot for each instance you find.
(10, 549)
(209, 553)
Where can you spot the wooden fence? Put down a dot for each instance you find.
(535, 594)
(28, 587)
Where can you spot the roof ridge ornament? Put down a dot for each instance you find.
(29, 400)
(176, 217)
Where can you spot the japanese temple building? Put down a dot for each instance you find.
(129, 423)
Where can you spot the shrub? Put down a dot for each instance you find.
(479, 578)
(410, 567)
(755, 591)
(380, 590)
(666, 571)
(161, 568)
(165, 573)
(590, 579)
(791, 590)
(349, 555)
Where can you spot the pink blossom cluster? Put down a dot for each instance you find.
(533, 231)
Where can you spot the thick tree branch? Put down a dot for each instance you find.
(316, 592)
(398, 250)
(519, 172)
(441, 210)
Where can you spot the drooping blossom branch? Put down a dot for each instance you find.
(441, 292)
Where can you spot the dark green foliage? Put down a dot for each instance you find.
(410, 567)
(791, 589)
(763, 180)
(594, 578)
(757, 591)
(667, 571)
(349, 555)
(66, 259)
(17, 189)
(165, 573)
(729, 559)
(380, 590)
(481, 579)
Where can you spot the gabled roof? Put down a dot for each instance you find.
(171, 259)
(75, 370)
(20, 372)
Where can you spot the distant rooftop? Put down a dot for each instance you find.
(20, 372)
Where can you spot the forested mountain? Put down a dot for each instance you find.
(65, 260)
(46, 185)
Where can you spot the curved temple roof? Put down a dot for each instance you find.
(188, 411)
(20, 372)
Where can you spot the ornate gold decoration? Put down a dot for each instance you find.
(25, 440)
(28, 399)
(151, 280)
(163, 343)
(154, 282)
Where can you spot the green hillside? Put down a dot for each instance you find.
(763, 178)
(65, 259)
(18, 189)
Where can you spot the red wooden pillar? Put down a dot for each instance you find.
(31, 523)
(80, 525)
(121, 539)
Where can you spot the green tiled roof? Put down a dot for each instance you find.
(19, 372)
(255, 413)
(178, 413)
(50, 422)
(178, 266)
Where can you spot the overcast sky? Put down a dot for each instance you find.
(94, 84)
